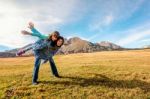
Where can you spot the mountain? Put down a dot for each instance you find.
(4, 52)
(147, 46)
(109, 45)
(77, 45)
(4, 48)
(7, 54)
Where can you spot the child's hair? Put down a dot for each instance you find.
(53, 33)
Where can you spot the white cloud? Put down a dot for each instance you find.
(11, 24)
(15, 15)
(92, 37)
(104, 22)
(112, 11)
(109, 12)
(145, 40)
(108, 20)
(134, 34)
(134, 37)
(52, 14)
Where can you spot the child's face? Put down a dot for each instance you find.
(59, 42)
(54, 37)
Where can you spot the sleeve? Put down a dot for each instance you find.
(40, 44)
(36, 33)
(54, 52)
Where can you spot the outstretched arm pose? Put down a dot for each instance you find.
(49, 44)
(52, 37)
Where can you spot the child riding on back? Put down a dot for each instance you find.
(52, 37)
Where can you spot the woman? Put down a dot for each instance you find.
(45, 48)
(45, 53)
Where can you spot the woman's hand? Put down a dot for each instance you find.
(31, 25)
(26, 32)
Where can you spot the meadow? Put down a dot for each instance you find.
(99, 75)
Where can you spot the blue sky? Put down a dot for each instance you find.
(124, 22)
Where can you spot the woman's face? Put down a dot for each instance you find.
(59, 42)
(54, 37)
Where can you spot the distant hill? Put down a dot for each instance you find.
(77, 45)
(4, 48)
(110, 45)
(147, 46)
(7, 54)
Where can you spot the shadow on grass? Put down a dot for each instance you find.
(101, 80)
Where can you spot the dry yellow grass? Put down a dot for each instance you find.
(113, 74)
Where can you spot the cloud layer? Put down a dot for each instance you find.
(119, 21)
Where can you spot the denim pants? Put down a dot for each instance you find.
(37, 66)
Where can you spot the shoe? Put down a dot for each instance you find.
(57, 76)
(20, 52)
(34, 83)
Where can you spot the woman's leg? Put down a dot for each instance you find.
(36, 69)
(53, 67)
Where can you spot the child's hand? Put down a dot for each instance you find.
(26, 32)
(31, 25)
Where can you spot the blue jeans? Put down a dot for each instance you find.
(37, 65)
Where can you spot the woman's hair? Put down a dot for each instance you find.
(60, 37)
(56, 33)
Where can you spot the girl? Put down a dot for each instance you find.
(52, 37)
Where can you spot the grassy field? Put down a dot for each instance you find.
(101, 75)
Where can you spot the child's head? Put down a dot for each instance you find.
(54, 36)
(60, 41)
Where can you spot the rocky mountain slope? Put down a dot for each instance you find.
(77, 45)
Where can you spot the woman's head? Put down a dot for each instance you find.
(60, 41)
(54, 36)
